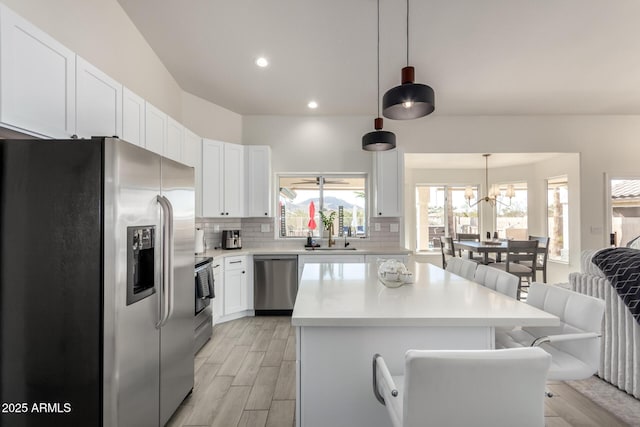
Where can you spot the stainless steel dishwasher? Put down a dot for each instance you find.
(275, 284)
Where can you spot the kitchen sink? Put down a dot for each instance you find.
(335, 248)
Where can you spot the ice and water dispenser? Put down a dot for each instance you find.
(140, 262)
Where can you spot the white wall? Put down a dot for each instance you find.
(211, 120)
(606, 144)
(311, 144)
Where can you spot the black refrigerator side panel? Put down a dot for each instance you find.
(50, 283)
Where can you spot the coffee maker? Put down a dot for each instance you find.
(231, 239)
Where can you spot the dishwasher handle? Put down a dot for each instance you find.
(274, 257)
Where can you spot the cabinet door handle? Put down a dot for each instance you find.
(235, 262)
(221, 213)
(242, 271)
(227, 213)
(379, 213)
(266, 214)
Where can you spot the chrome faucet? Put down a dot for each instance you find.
(345, 237)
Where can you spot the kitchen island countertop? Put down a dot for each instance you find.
(352, 295)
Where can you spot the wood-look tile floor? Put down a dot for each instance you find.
(245, 377)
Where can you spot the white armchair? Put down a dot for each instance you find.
(465, 388)
(575, 344)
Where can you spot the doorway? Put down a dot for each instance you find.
(625, 210)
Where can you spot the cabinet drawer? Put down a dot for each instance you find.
(235, 262)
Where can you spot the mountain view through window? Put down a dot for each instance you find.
(304, 200)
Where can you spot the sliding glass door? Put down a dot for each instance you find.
(442, 210)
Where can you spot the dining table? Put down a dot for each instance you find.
(484, 248)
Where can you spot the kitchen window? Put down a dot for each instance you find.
(303, 197)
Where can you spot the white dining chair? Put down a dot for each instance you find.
(498, 280)
(574, 345)
(440, 388)
(462, 267)
(519, 251)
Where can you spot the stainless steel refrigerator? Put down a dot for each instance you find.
(96, 283)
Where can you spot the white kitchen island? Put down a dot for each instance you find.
(344, 315)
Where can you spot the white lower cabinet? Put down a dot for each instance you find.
(235, 284)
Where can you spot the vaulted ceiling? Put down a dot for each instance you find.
(482, 57)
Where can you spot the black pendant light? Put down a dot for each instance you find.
(409, 100)
(378, 140)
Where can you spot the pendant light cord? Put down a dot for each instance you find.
(407, 33)
(378, 58)
(486, 174)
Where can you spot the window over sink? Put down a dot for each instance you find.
(303, 196)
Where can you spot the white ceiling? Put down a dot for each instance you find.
(480, 56)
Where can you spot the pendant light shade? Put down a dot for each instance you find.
(378, 140)
(409, 100)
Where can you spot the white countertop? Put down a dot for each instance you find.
(289, 250)
(352, 295)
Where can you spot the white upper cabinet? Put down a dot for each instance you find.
(133, 118)
(258, 173)
(212, 178)
(233, 180)
(155, 125)
(98, 102)
(222, 179)
(192, 156)
(174, 140)
(37, 85)
(389, 180)
(191, 149)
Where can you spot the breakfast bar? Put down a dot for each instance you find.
(344, 315)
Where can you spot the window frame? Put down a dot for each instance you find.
(327, 175)
(475, 188)
(566, 247)
(500, 204)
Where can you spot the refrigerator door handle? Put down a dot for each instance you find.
(170, 246)
(167, 231)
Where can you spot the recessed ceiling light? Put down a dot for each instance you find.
(262, 62)
(312, 104)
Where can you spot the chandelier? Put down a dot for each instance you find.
(494, 190)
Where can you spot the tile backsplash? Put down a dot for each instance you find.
(261, 232)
